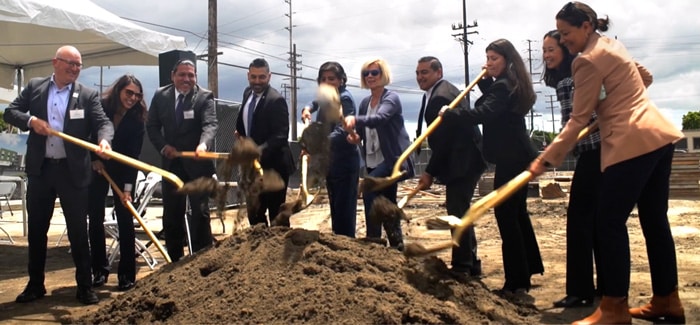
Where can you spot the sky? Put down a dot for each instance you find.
(664, 36)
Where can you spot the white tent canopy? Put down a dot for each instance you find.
(32, 30)
(7, 95)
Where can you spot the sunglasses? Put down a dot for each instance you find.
(130, 93)
(73, 64)
(374, 73)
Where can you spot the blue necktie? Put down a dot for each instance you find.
(179, 109)
(251, 110)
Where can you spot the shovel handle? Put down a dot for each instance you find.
(121, 158)
(497, 196)
(203, 155)
(417, 142)
(136, 215)
(408, 197)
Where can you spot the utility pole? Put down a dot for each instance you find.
(465, 41)
(212, 62)
(551, 102)
(292, 72)
(285, 90)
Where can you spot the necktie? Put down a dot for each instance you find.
(179, 109)
(420, 116)
(420, 122)
(251, 110)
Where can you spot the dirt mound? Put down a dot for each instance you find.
(277, 275)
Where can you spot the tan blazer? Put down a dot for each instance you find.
(630, 124)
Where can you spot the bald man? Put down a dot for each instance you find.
(56, 168)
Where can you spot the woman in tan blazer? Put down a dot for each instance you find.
(636, 153)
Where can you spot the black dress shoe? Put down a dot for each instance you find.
(99, 279)
(125, 284)
(30, 294)
(573, 301)
(87, 296)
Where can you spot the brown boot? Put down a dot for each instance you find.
(667, 308)
(612, 310)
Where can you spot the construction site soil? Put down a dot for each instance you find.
(305, 274)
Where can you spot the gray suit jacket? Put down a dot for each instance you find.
(32, 102)
(201, 128)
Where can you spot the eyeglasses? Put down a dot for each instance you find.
(73, 64)
(374, 72)
(130, 93)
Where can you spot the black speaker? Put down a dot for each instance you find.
(167, 60)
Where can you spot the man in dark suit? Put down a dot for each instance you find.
(182, 117)
(58, 168)
(265, 119)
(456, 159)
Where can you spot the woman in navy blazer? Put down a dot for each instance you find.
(507, 97)
(124, 106)
(381, 129)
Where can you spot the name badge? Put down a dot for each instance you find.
(76, 114)
(189, 114)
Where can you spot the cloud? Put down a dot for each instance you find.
(662, 35)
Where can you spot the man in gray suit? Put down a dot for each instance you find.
(182, 117)
(58, 168)
(456, 158)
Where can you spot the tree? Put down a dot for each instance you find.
(691, 121)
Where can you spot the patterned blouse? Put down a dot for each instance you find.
(565, 96)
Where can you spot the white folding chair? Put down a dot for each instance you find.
(6, 191)
(143, 193)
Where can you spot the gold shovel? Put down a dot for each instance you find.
(120, 158)
(479, 208)
(136, 215)
(377, 183)
(306, 197)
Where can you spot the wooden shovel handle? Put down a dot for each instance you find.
(121, 158)
(136, 215)
(203, 155)
(502, 193)
(434, 125)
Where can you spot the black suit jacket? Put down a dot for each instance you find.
(506, 140)
(270, 130)
(162, 130)
(32, 102)
(456, 151)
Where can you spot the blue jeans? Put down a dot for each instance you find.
(374, 230)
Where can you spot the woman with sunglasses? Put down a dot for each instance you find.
(507, 97)
(124, 105)
(380, 128)
(636, 154)
(583, 196)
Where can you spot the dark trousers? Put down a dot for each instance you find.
(55, 181)
(270, 202)
(643, 181)
(459, 194)
(125, 223)
(521, 254)
(342, 194)
(174, 214)
(580, 226)
(374, 229)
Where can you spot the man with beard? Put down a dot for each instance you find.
(265, 119)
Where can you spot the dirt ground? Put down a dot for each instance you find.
(307, 275)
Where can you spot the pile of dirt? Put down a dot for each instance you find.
(281, 275)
